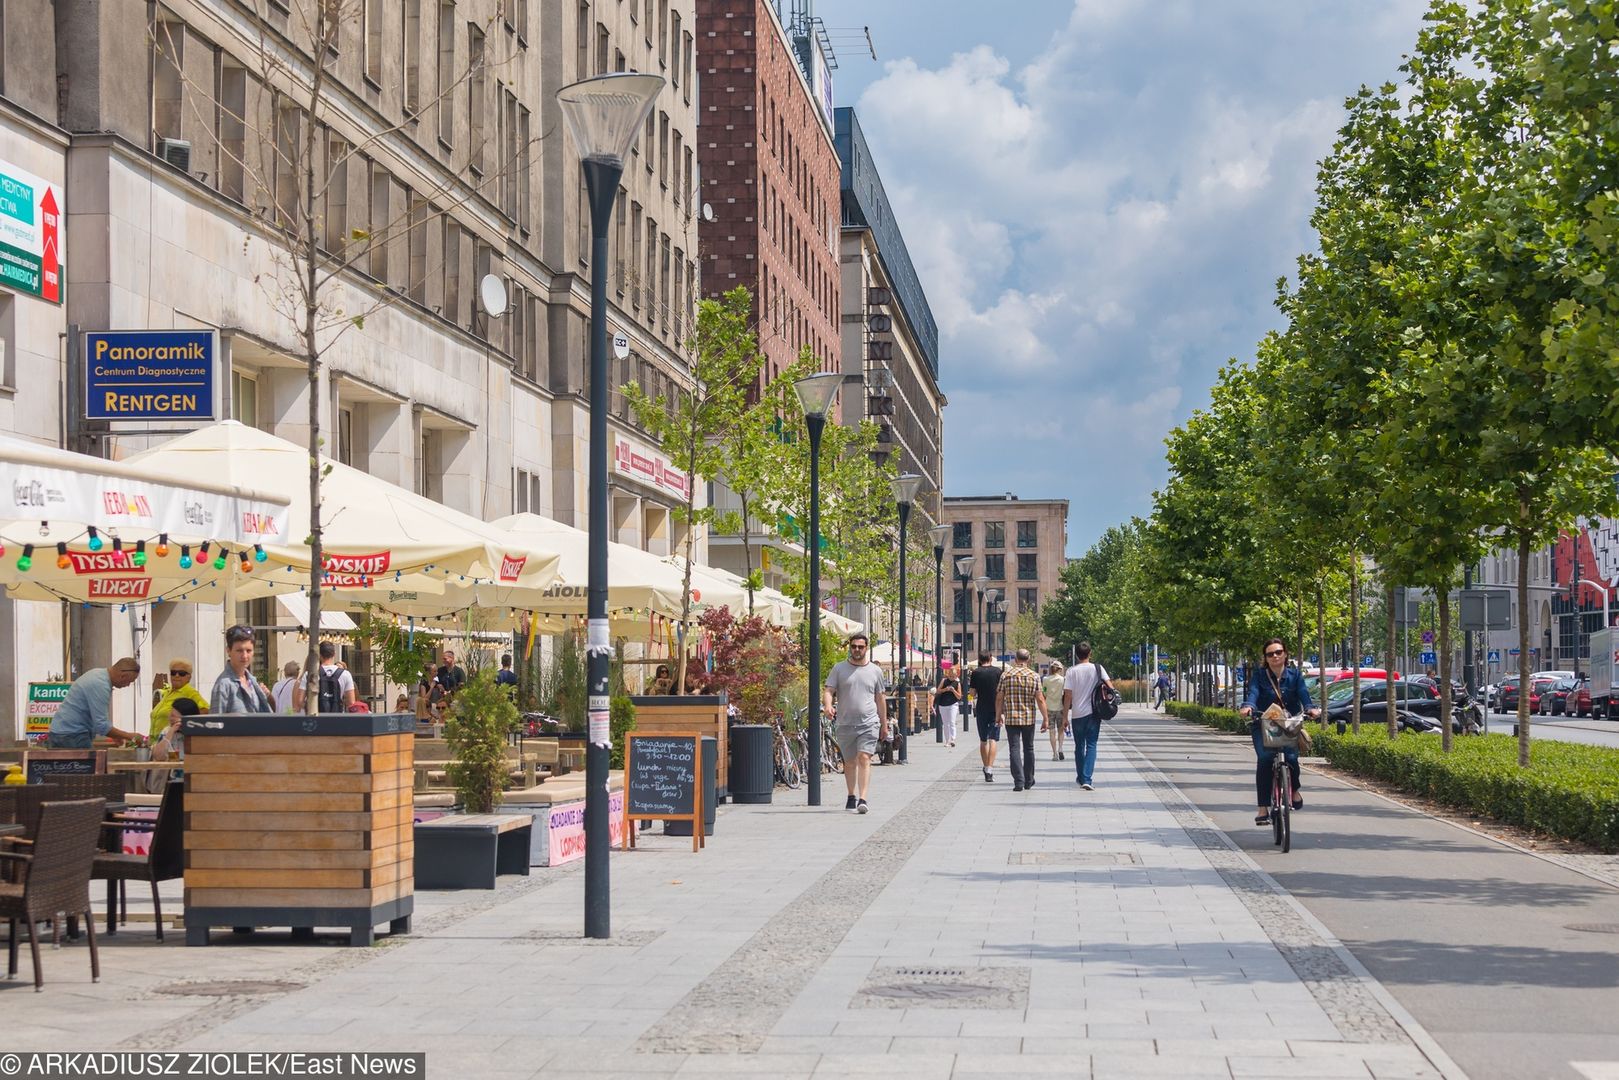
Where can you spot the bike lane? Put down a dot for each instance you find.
(1471, 936)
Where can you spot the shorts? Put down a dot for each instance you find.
(856, 740)
(988, 729)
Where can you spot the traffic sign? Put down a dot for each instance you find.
(1367, 661)
(1135, 658)
(1513, 652)
(1427, 637)
(1313, 658)
(1495, 656)
(1428, 658)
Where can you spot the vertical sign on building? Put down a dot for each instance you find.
(31, 254)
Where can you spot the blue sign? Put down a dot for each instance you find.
(1495, 656)
(1513, 652)
(1367, 661)
(1313, 658)
(1428, 658)
(150, 374)
(1135, 658)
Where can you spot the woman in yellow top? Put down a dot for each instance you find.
(180, 689)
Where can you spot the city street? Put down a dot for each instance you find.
(961, 929)
(1565, 728)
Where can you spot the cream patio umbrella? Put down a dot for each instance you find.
(376, 537)
(89, 530)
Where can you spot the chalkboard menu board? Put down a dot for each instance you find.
(39, 766)
(661, 781)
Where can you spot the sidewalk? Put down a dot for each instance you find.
(958, 930)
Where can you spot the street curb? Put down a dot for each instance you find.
(1418, 1034)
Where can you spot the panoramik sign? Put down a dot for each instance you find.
(150, 374)
(31, 254)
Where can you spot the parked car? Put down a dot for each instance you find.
(1579, 699)
(1537, 685)
(1555, 697)
(1411, 696)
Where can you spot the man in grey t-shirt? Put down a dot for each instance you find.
(853, 698)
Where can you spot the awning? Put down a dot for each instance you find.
(297, 605)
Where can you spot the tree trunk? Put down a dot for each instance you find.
(1523, 631)
(1300, 638)
(1321, 630)
(1388, 666)
(1443, 599)
(747, 550)
(1354, 641)
(311, 269)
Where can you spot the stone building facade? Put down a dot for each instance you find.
(442, 159)
(1020, 545)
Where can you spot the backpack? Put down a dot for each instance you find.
(1104, 699)
(331, 690)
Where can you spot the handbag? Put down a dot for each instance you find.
(1104, 699)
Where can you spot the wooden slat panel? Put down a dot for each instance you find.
(279, 802)
(313, 764)
(389, 836)
(243, 878)
(381, 763)
(252, 745)
(254, 840)
(299, 859)
(289, 897)
(391, 799)
(269, 783)
(392, 873)
(215, 820)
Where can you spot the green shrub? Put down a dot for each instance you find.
(1569, 790)
(622, 721)
(476, 733)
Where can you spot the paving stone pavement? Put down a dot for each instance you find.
(959, 930)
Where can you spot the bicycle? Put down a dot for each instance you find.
(831, 756)
(787, 770)
(1281, 802)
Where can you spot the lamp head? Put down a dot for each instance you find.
(905, 488)
(964, 566)
(815, 392)
(982, 581)
(604, 114)
(939, 533)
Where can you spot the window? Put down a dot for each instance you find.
(1028, 568)
(674, 42)
(995, 567)
(581, 52)
(601, 49)
(378, 252)
(1028, 534)
(525, 171)
(663, 31)
(232, 130)
(416, 246)
(168, 82)
(476, 94)
(634, 269)
(1028, 600)
(961, 534)
(336, 234)
(994, 534)
(452, 270)
(8, 340)
(446, 70)
(680, 289)
(663, 284)
(244, 398)
(345, 436)
(685, 64)
(663, 149)
(410, 54)
(621, 214)
(650, 137)
(651, 279)
(960, 606)
(678, 154)
(373, 40)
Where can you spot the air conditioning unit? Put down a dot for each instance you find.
(176, 152)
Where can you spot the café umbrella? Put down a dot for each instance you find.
(376, 536)
(89, 530)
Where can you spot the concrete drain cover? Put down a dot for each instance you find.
(1073, 858)
(632, 939)
(233, 988)
(1596, 928)
(944, 988)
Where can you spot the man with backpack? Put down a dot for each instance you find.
(1088, 697)
(336, 684)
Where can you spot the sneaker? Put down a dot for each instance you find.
(1087, 787)
(1017, 787)
(852, 804)
(862, 808)
(989, 777)
(1029, 784)
(1061, 756)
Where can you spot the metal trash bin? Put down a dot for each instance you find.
(752, 770)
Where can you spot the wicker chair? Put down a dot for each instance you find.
(164, 860)
(55, 878)
(114, 787)
(20, 803)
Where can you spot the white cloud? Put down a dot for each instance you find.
(1101, 227)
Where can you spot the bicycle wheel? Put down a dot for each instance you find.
(831, 756)
(1278, 785)
(786, 769)
(1284, 781)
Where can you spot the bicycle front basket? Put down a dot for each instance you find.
(1281, 734)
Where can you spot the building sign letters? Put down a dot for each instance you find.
(31, 253)
(150, 374)
(640, 464)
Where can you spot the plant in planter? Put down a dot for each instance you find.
(754, 663)
(476, 733)
(401, 654)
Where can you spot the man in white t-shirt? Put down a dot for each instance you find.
(282, 692)
(336, 685)
(1077, 687)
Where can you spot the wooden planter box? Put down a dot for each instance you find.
(299, 822)
(689, 714)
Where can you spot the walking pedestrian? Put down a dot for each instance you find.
(1019, 700)
(853, 698)
(1078, 686)
(1056, 720)
(948, 699)
(982, 683)
(286, 691)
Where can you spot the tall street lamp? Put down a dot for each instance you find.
(982, 581)
(964, 573)
(998, 612)
(815, 394)
(603, 117)
(904, 488)
(939, 533)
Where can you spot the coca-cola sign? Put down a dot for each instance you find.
(511, 567)
(103, 562)
(119, 588)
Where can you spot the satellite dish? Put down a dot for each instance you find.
(708, 212)
(492, 296)
(621, 344)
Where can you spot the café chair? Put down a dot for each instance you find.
(164, 859)
(55, 878)
(114, 787)
(20, 805)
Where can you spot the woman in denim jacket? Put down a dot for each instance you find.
(1273, 683)
(236, 690)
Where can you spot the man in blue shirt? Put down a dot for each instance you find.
(86, 713)
(506, 676)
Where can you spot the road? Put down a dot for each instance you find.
(1564, 728)
(1474, 938)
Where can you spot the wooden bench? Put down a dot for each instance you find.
(468, 851)
(527, 767)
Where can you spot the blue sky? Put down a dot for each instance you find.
(1099, 196)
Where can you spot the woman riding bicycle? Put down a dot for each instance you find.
(1275, 683)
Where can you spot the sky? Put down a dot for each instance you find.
(1099, 197)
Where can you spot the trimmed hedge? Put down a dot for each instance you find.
(1569, 790)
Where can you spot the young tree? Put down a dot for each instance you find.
(690, 426)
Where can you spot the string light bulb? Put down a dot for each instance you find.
(25, 561)
(44, 528)
(117, 545)
(219, 560)
(163, 545)
(258, 553)
(96, 543)
(139, 558)
(247, 562)
(202, 551)
(62, 561)
(185, 556)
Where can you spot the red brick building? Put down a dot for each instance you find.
(770, 172)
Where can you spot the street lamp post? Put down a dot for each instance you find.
(815, 394)
(939, 533)
(999, 611)
(603, 117)
(964, 572)
(982, 581)
(904, 488)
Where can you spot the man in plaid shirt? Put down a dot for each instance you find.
(1018, 702)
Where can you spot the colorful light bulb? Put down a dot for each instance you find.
(185, 556)
(25, 562)
(139, 558)
(163, 545)
(96, 543)
(62, 561)
(258, 553)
